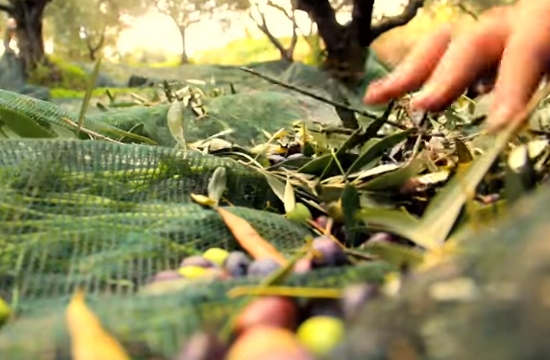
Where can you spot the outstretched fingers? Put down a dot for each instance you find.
(469, 56)
(523, 65)
(413, 71)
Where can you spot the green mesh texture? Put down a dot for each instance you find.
(106, 217)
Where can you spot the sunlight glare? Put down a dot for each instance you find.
(154, 32)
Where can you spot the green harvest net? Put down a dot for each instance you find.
(106, 217)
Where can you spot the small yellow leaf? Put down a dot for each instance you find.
(203, 200)
(89, 340)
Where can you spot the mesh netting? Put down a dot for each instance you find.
(106, 217)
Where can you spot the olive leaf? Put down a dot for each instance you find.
(289, 197)
(375, 150)
(176, 122)
(217, 184)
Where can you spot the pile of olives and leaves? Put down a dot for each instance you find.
(402, 188)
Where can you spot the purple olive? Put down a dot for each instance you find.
(237, 263)
(166, 275)
(339, 232)
(380, 238)
(323, 307)
(355, 296)
(328, 252)
(263, 267)
(202, 346)
(322, 221)
(197, 260)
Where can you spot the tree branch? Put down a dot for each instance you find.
(361, 21)
(294, 41)
(388, 23)
(339, 6)
(262, 26)
(323, 15)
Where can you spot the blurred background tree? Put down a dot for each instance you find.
(82, 31)
(185, 13)
(28, 15)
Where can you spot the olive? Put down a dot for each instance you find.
(268, 343)
(322, 221)
(328, 252)
(263, 267)
(166, 275)
(197, 260)
(202, 346)
(355, 296)
(321, 334)
(237, 263)
(5, 312)
(268, 310)
(380, 238)
(216, 255)
(323, 307)
(193, 271)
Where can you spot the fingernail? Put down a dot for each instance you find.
(373, 90)
(499, 117)
(419, 99)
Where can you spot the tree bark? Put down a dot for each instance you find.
(28, 15)
(345, 45)
(184, 59)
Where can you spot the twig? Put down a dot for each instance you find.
(89, 132)
(319, 98)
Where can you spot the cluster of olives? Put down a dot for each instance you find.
(282, 328)
(219, 263)
(276, 327)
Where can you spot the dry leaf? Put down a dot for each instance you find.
(89, 340)
(176, 125)
(249, 239)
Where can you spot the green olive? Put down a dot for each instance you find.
(321, 334)
(193, 272)
(216, 255)
(5, 312)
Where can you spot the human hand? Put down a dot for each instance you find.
(513, 39)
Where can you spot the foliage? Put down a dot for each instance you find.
(81, 30)
(62, 74)
(249, 50)
(474, 6)
(423, 185)
(100, 92)
(187, 12)
(98, 208)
